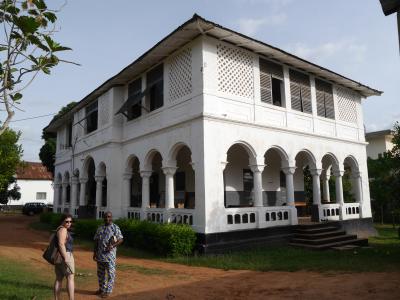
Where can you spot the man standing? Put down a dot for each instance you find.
(107, 238)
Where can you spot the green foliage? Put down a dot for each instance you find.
(27, 48)
(48, 150)
(86, 228)
(53, 219)
(163, 239)
(10, 193)
(384, 174)
(10, 154)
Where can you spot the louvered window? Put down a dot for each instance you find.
(271, 82)
(325, 106)
(135, 110)
(155, 84)
(300, 90)
(91, 117)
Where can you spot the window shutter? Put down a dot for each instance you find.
(300, 91)
(330, 109)
(325, 97)
(268, 70)
(295, 95)
(320, 103)
(306, 98)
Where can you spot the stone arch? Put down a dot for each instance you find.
(184, 177)
(352, 162)
(132, 172)
(101, 169)
(308, 157)
(173, 152)
(329, 160)
(149, 158)
(273, 178)
(58, 179)
(85, 166)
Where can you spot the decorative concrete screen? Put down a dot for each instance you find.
(347, 105)
(104, 111)
(180, 75)
(235, 71)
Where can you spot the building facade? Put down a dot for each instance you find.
(379, 142)
(217, 130)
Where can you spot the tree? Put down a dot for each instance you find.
(48, 151)
(10, 153)
(26, 49)
(10, 193)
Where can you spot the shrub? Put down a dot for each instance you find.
(163, 239)
(86, 228)
(53, 219)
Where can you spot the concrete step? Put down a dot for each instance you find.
(319, 235)
(323, 241)
(316, 230)
(358, 242)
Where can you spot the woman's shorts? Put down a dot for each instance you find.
(65, 268)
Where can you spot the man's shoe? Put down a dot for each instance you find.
(98, 292)
(104, 295)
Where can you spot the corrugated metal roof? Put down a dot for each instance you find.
(190, 30)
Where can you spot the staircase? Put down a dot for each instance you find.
(323, 236)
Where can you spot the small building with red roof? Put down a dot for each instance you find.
(35, 184)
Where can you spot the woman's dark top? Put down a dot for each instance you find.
(69, 245)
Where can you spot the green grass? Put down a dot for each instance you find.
(382, 255)
(19, 282)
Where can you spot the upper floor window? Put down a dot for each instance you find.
(134, 89)
(40, 196)
(300, 91)
(325, 107)
(271, 83)
(69, 135)
(91, 117)
(155, 88)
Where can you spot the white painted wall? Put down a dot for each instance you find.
(379, 145)
(29, 188)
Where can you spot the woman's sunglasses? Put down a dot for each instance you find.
(67, 222)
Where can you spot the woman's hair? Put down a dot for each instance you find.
(65, 216)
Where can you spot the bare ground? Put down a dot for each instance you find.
(148, 279)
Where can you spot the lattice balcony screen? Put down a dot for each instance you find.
(235, 71)
(267, 71)
(325, 107)
(180, 75)
(347, 105)
(300, 91)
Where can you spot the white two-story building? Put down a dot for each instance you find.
(215, 129)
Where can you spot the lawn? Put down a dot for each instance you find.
(382, 255)
(18, 282)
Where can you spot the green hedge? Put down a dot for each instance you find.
(53, 219)
(162, 239)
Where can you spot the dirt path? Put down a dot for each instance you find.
(147, 279)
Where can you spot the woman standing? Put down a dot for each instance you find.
(67, 267)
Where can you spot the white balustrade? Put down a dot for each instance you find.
(101, 211)
(352, 210)
(134, 213)
(181, 216)
(155, 215)
(330, 212)
(257, 217)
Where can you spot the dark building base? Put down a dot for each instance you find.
(223, 242)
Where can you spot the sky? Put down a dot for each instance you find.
(350, 37)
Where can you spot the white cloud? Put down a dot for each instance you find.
(250, 26)
(344, 48)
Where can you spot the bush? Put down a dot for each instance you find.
(163, 239)
(53, 219)
(86, 228)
